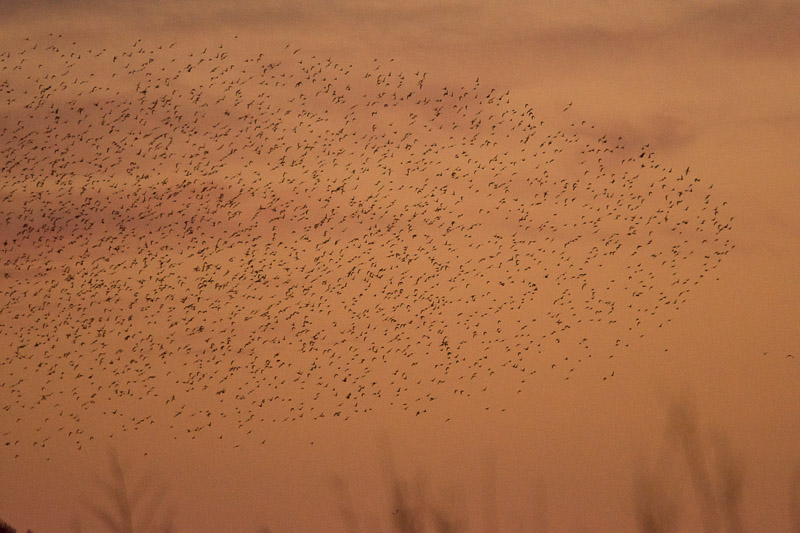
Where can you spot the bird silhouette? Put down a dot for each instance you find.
(212, 241)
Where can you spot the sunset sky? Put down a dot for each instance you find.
(268, 252)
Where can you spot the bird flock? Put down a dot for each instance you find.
(208, 239)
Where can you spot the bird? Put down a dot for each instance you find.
(245, 238)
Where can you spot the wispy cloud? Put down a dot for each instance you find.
(742, 27)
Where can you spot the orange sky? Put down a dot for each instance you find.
(343, 269)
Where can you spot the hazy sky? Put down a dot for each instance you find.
(708, 85)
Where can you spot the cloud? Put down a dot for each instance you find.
(170, 15)
(664, 133)
(747, 27)
(740, 27)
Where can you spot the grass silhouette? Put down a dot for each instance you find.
(705, 463)
(131, 508)
(5, 528)
(794, 499)
(716, 477)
